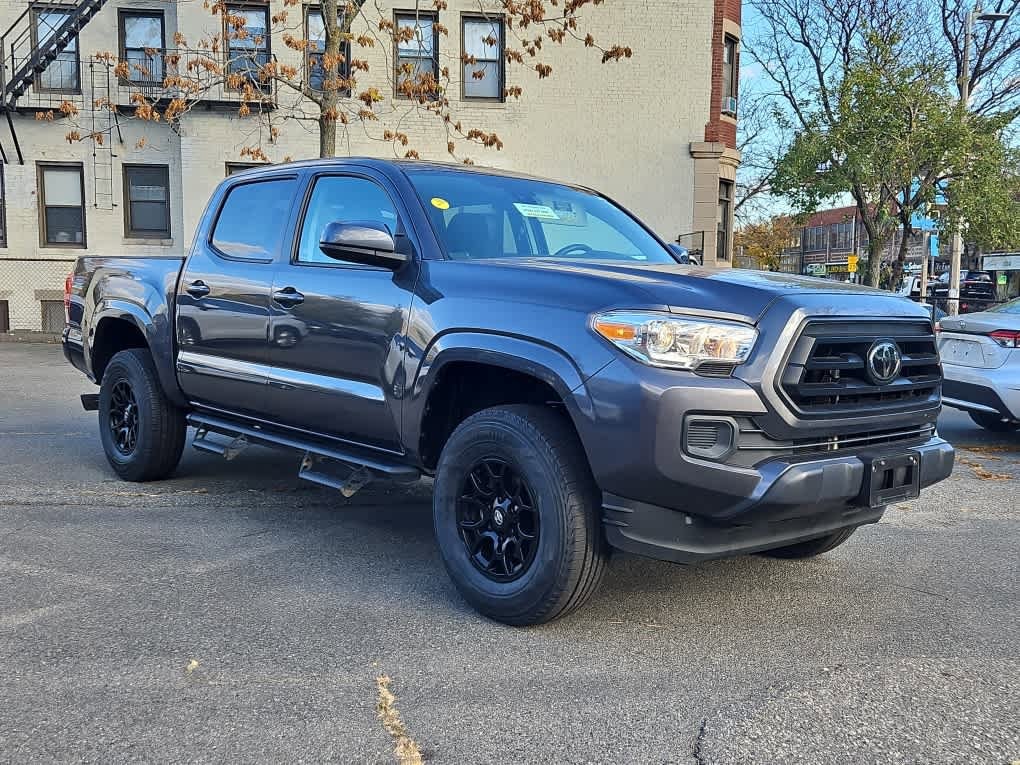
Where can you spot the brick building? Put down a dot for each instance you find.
(656, 131)
(828, 237)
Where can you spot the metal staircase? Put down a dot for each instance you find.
(25, 56)
(26, 52)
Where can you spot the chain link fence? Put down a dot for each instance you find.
(32, 293)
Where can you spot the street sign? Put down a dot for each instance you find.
(851, 263)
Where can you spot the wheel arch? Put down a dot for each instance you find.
(463, 373)
(122, 325)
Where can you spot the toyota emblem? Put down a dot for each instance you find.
(884, 361)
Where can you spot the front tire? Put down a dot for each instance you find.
(142, 432)
(993, 422)
(811, 547)
(516, 513)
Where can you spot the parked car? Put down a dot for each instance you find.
(911, 287)
(981, 361)
(534, 347)
(977, 290)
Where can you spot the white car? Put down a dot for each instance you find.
(981, 362)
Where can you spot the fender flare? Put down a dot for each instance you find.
(158, 336)
(530, 356)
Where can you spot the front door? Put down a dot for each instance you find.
(223, 297)
(336, 328)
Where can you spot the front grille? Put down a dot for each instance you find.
(826, 373)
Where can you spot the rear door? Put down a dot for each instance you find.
(223, 297)
(337, 328)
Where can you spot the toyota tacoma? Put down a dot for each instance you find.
(535, 348)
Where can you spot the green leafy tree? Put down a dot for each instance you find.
(764, 241)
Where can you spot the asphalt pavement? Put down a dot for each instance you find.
(235, 613)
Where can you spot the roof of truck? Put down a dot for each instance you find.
(402, 165)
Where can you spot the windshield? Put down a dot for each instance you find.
(479, 216)
(1013, 306)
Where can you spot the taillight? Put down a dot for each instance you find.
(67, 297)
(1007, 338)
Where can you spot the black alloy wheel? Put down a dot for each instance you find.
(497, 520)
(123, 420)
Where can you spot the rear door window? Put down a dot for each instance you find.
(253, 219)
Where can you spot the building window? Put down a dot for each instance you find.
(842, 236)
(730, 74)
(147, 201)
(725, 224)
(247, 43)
(53, 317)
(814, 239)
(5, 316)
(62, 204)
(63, 74)
(142, 40)
(315, 34)
(417, 55)
(239, 167)
(483, 57)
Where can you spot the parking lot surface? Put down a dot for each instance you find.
(235, 613)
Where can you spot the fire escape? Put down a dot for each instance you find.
(25, 54)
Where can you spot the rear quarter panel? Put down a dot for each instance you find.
(138, 290)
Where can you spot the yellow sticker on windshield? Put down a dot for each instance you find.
(440, 203)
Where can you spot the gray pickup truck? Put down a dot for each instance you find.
(531, 345)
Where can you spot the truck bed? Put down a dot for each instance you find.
(140, 289)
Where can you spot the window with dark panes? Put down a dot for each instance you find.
(62, 200)
(730, 75)
(248, 45)
(141, 42)
(722, 251)
(5, 316)
(253, 218)
(345, 200)
(147, 200)
(483, 53)
(64, 72)
(315, 34)
(418, 54)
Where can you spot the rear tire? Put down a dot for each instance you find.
(142, 432)
(516, 479)
(811, 547)
(993, 422)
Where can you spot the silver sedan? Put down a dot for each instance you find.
(981, 361)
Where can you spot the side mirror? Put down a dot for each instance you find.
(680, 252)
(364, 242)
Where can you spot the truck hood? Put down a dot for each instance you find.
(739, 293)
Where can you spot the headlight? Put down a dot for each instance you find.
(677, 342)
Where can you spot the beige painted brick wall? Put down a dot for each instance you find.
(624, 128)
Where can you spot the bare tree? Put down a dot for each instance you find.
(995, 57)
(332, 79)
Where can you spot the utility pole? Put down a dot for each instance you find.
(956, 246)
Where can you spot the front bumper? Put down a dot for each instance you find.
(992, 391)
(792, 502)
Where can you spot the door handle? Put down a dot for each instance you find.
(288, 297)
(197, 289)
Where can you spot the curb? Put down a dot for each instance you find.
(28, 336)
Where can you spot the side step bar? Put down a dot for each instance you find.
(242, 435)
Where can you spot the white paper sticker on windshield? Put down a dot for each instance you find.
(542, 212)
